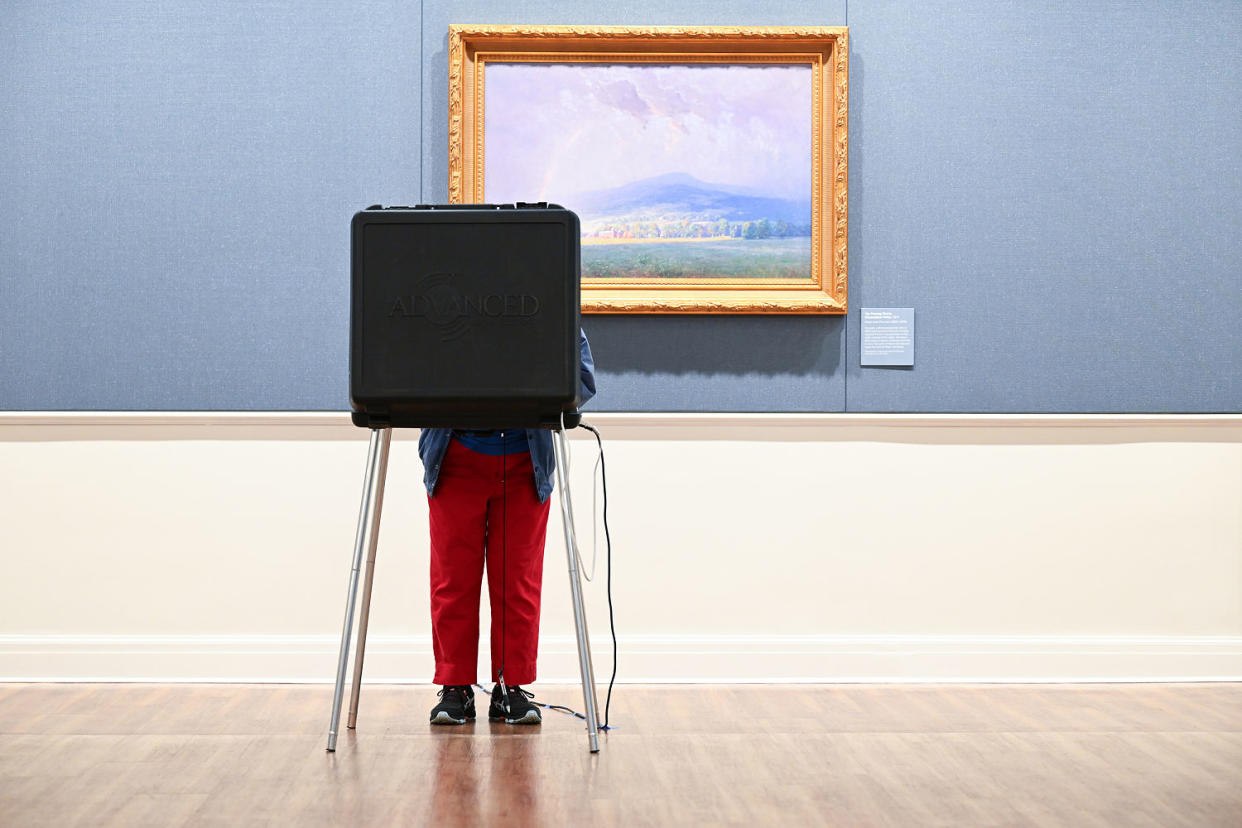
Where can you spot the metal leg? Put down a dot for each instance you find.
(368, 533)
(589, 700)
(360, 648)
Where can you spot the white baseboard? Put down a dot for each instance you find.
(643, 659)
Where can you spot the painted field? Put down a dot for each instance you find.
(739, 258)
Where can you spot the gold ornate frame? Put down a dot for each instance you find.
(824, 49)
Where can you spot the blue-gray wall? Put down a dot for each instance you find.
(1056, 189)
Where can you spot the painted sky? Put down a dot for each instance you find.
(553, 130)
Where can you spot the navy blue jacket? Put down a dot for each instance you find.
(434, 442)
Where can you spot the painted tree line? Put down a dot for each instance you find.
(691, 229)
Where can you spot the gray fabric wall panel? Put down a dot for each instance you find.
(665, 363)
(176, 183)
(1057, 191)
(1059, 197)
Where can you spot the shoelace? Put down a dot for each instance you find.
(463, 691)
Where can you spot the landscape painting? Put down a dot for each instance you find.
(680, 173)
(709, 165)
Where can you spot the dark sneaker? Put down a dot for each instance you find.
(521, 710)
(456, 705)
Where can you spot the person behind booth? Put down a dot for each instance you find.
(488, 496)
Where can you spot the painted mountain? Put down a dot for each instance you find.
(682, 197)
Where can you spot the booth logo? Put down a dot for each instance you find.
(440, 299)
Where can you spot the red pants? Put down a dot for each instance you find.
(471, 523)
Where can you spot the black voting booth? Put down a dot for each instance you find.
(462, 316)
(465, 316)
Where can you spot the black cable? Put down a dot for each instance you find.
(559, 708)
(612, 626)
(504, 567)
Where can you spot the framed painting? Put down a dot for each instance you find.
(707, 165)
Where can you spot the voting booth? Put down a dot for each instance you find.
(462, 316)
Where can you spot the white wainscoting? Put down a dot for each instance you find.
(216, 547)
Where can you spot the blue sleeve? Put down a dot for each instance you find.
(588, 368)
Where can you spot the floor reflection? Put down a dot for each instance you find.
(487, 773)
(514, 795)
(457, 778)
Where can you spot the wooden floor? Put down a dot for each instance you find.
(1080, 755)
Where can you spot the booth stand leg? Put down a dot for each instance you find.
(364, 617)
(589, 701)
(365, 539)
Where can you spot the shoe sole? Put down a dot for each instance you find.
(443, 718)
(532, 717)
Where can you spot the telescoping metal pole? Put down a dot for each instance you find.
(364, 617)
(575, 588)
(365, 539)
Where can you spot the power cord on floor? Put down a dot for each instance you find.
(559, 708)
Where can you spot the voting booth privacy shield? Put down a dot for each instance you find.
(465, 316)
